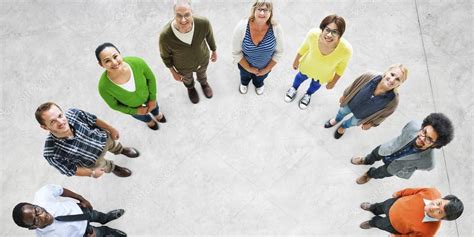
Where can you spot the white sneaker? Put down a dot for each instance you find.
(290, 95)
(243, 89)
(304, 102)
(260, 90)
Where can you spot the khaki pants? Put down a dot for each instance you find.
(188, 79)
(112, 146)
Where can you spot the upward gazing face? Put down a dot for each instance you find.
(330, 34)
(55, 121)
(36, 216)
(392, 79)
(426, 138)
(436, 208)
(110, 59)
(262, 13)
(183, 18)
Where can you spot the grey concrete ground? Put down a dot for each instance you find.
(236, 164)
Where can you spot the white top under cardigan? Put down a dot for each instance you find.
(238, 38)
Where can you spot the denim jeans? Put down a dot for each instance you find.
(246, 76)
(300, 78)
(343, 112)
(146, 117)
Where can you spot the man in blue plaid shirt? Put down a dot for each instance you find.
(78, 141)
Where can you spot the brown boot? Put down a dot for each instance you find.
(121, 171)
(363, 179)
(193, 95)
(207, 90)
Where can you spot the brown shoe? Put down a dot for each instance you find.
(358, 160)
(207, 90)
(365, 206)
(153, 126)
(130, 152)
(121, 171)
(363, 179)
(365, 225)
(193, 95)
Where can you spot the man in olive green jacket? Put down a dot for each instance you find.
(184, 48)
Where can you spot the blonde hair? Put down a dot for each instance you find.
(402, 68)
(259, 3)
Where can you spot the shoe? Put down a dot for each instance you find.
(112, 215)
(363, 179)
(304, 102)
(328, 124)
(162, 119)
(338, 135)
(260, 90)
(290, 95)
(155, 126)
(365, 225)
(207, 90)
(365, 206)
(121, 171)
(358, 160)
(193, 95)
(116, 233)
(130, 151)
(243, 89)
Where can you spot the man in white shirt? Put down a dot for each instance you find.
(51, 215)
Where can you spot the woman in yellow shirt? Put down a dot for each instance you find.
(323, 57)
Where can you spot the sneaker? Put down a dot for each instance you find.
(304, 102)
(290, 95)
(243, 89)
(260, 90)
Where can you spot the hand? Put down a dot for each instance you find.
(366, 126)
(85, 204)
(253, 70)
(142, 110)
(330, 85)
(341, 99)
(98, 172)
(213, 56)
(151, 105)
(394, 195)
(92, 234)
(262, 72)
(176, 76)
(296, 63)
(114, 133)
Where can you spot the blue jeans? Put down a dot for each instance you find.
(146, 117)
(300, 78)
(343, 111)
(245, 78)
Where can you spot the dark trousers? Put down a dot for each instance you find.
(99, 217)
(381, 208)
(380, 172)
(246, 76)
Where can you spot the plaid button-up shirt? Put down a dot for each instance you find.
(65, 154)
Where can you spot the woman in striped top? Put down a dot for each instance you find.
(323, 57)
(257, 45)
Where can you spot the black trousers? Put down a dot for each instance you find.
(382, 208)
(376, 173)
(99, 217)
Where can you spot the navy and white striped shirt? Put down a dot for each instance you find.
(259, 55)
(65, 154)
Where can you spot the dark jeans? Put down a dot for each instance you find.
(313, 86)
(246, 76)
(381, 208)
(376, 173)
(146, 117)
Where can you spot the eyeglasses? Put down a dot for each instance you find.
(186, 16)
(38, 211)
(426, 139)
(264, 10)
(328, 30)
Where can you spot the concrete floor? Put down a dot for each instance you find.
(237, 164)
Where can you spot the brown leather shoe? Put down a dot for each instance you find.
(358, 160)
(363, 179)
(207, 90)
(365, 206)
(365, 225)
(193, 95)
(121, 171)
(130, 152)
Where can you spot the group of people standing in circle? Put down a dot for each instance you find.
(78, 140)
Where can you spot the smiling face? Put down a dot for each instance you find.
(55, 121)
(330, 34)
(36, 216)
(110, 59)
(183, 18)
(262, 13)
(436, 208)
(392, 79)
(426, 138)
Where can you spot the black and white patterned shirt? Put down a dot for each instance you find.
(65, 154)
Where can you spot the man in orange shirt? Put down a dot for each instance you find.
(413, 212)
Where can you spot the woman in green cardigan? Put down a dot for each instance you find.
(128, 85)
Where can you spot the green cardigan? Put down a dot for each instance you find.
(184, 57)
(125, 101)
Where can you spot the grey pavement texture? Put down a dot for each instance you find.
(240, 165)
